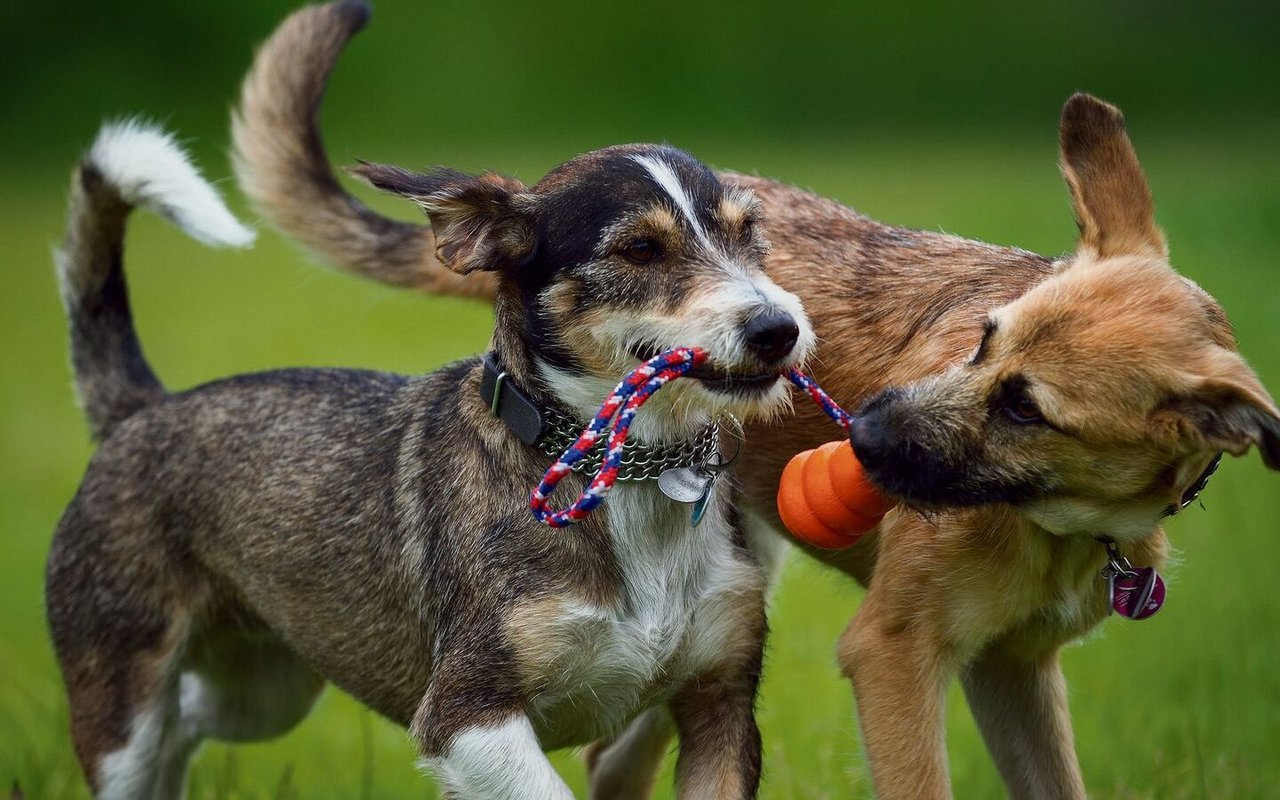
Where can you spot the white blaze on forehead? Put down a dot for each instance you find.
(666, 177)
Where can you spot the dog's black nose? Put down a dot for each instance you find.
(771, 336)
(871, 433)
(870, 441)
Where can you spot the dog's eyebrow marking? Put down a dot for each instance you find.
(666, 177)
(989, 327)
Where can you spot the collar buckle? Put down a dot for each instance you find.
(506, 402)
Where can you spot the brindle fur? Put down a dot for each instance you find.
(1133, 368)
(234, 546)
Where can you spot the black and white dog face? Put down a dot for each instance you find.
(613, 257)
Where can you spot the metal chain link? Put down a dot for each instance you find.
(640, 462)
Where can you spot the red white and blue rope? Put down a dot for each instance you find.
(636, 388)
(810, 387)
(623, 403)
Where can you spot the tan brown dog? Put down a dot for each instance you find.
(1041, 406)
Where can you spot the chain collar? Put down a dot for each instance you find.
(553, 431)
(640, 462)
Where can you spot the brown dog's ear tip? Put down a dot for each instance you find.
(1085, 116)
(1083, 105)
(1269, 445)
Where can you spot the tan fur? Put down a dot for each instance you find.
(736, 209)
(657, 222)
(1134, 364)
(289, 180)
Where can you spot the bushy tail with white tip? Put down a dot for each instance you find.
(131, 164)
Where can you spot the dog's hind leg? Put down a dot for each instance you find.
(119, 641)
(243, 686)
(152, 763)
(624, 768)
(145, 686)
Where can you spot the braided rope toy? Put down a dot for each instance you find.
(824, 497)
(631, 393)
(810, 387)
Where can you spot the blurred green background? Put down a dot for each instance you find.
(940, 116)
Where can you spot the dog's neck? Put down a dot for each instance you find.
(665, 421)
(512, 345)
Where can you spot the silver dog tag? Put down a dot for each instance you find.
(693, 484)
(686, 484)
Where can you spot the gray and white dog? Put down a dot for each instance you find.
(233, 547)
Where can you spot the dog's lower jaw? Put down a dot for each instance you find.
(1072, 516)
(753, 405)
(663, 420)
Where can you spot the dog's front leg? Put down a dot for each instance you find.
(719, 740)
(499, 760)
(1020, 704)
(476, 739)
(899, 676)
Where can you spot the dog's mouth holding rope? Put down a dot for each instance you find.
(718, 378)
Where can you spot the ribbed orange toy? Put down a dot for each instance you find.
(825, 498)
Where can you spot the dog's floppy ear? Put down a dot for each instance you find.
(481, 222)
(1228, 411)
(1113, 204)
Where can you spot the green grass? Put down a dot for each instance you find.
(1181, 706)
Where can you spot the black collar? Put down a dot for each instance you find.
(1193, 491)
(1188, 497)
(522, 415)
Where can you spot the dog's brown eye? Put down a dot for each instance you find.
(641, 251)
(1024, 411)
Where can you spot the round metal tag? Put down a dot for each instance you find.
(1138, 594)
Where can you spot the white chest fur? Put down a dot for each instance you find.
(677, 612)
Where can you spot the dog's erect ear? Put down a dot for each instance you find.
(1112, 201)
(1226, 412)
(481, 222)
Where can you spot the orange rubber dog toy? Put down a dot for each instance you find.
(826, 500)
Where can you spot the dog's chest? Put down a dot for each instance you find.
(1046, 587)
(590, 667)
